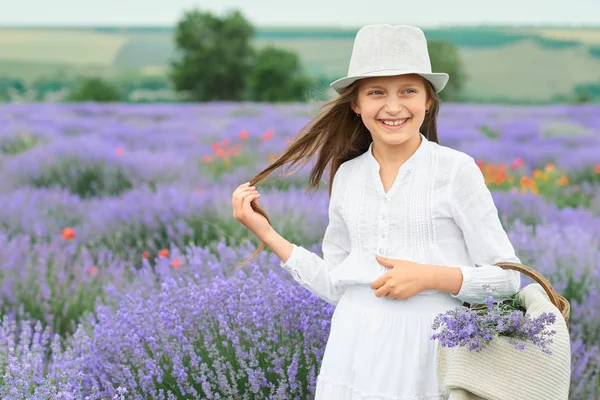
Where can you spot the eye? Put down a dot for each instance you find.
(375, 92)
(414, 91)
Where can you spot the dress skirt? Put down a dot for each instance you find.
(380, 349)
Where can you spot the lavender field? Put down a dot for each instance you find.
(118, 249)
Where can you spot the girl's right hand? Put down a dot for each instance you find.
(243, 212)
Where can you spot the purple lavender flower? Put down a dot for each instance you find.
(475, 328)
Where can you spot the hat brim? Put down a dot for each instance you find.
(437, 79)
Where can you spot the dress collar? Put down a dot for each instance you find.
(409, 163)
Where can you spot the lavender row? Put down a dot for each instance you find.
(169, 142)
(144, 219)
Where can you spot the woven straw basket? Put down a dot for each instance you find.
(502, 373)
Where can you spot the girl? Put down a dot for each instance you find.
(413, 230)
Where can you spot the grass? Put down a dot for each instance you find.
(533, 72)
(587, 36)
(29, 71)
(60, 46)
(322, 56)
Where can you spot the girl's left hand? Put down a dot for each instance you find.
(404, 280)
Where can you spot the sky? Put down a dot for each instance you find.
(342, 13)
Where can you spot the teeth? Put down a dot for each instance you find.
(394, 123)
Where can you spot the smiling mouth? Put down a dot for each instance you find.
(397, 123)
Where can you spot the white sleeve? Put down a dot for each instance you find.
(312, 271)
(476, 214)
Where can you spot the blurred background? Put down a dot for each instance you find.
(136, 51)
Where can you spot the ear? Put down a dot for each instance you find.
(355, 107)
(428, 104)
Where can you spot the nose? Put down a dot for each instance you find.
(393, 105)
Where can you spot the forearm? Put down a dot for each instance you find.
(444, 279)
(278, 244)
(307, 268)
(473, 284)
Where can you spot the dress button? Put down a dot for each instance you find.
(383, 235)
(383, 216)
(385, 199)
(381, 251)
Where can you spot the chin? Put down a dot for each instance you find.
(395, 139)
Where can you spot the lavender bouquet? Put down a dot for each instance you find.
(475, 326)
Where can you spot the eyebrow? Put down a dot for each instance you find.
(402, 86)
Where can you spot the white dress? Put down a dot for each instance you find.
(438, 211)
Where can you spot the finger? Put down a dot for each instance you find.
(386, 262)
(238, 202)
(243, 185)
(247, 204)
(242, 189)
(245, 192)
(379, 282)
(246, 198)
(243, 210)
(249, 199)
(382, 291)
(242, 195)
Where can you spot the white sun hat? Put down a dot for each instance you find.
(386, 50)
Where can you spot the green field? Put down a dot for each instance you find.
(520, 64)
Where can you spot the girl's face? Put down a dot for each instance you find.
(392, 108)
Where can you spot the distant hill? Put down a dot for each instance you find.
(518, 64)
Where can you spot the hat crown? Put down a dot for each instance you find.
(389, 47)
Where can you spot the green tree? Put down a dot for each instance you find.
(277, 75)
(216, 56)
(582, 97)
(96, 89)
(445, 57)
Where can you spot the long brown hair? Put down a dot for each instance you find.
(336, 135)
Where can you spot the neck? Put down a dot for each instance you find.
(393, 156)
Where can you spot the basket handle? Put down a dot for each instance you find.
(535, 275)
